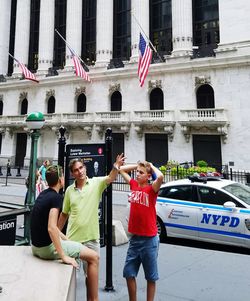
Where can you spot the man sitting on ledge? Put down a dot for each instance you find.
(48, 242)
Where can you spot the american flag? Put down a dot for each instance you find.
(26, 73)
(78, 66)
(145, 56)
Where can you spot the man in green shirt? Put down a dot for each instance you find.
(81, 203)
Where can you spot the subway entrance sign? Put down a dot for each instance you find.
(7, 230)
(94, 157)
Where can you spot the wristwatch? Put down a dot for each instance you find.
(115, 167)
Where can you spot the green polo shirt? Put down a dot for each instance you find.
(82, 208)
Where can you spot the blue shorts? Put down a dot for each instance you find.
(142, 250)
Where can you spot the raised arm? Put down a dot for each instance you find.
(125, 169)
(115, 170)
(159, 178)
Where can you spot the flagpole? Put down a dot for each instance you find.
(70, 47)
(137, 22)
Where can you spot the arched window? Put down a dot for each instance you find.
(161, 25)
(81, 103)
(156, 99)
(1, 107)
(205, 27)
(205, 97)
(24, 106)
(116, 101)
(51, 105)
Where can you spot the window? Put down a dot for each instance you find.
(24, 107)
(81, 103)
(12, 35)
(0, 142)
(156, 146)
(122, 29)
(51, 105)
(183, 193)
(156, 99)
(205, 26)
(34, 35)
(1, 107)
(205, 97)
(89, 32)
(161, 26)
(116, 101)
(60, 25)
(212, 196)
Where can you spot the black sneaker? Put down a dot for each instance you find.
(1, 289)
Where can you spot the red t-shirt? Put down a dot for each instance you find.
(142, 217)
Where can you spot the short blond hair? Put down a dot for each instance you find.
(146, 165)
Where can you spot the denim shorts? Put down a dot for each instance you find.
(142, 250)
(70, 248)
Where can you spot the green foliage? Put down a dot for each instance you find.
(201, 163)
(174, 169)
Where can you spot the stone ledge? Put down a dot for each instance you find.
(24, 277)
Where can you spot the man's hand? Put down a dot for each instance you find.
(69, 260)
(120, 159)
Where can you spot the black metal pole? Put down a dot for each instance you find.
(61, 146)
(109, 252)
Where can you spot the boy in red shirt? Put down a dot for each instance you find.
(144, 243)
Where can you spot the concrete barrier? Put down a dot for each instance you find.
(24, 277)
(119, 235)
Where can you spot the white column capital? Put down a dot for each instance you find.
(22, 35)
(104, 32)
(182, 27)
(73, 30)
(46, 35)
(139, 17)
(5, 12)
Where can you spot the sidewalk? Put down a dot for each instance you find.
(186, 274)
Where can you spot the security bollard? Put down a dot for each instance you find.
(8, 170)
(1, 171)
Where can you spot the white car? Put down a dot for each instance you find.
(213, 210)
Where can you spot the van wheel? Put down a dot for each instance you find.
(161, 229)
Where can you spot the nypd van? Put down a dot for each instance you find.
(207, 209)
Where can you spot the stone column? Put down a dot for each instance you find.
(73, 29)
(104, 32)
(139, 14)
(5, 35)
(46, 35)
(182, 27)
(22, 35)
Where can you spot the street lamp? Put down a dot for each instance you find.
(35, 122)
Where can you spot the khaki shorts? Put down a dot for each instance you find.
(70, 248)
(93, 245)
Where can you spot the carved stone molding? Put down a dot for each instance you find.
(23, 95)
(50, 93)
(114, 87)
(80, 90)
(186, 132)
(169, 129)
(152, 84)
(202, 80)
(88, 130)
(139, 131)
(100, 130)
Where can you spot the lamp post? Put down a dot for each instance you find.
(35, 122)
